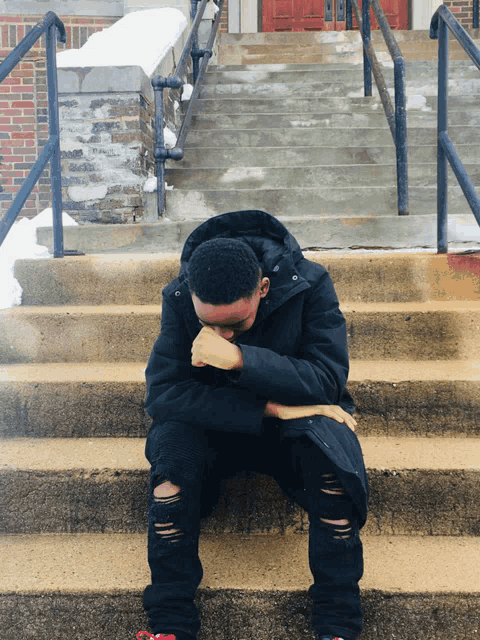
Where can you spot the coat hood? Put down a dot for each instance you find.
(269, 238)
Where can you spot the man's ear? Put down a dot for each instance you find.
(264, 287)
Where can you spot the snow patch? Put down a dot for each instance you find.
(21, 243)
(169, 138)
(150, 185)
(140, 38)
(417, 102)
(187, 92)
(304, 123)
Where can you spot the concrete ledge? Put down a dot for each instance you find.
(334, 232)
(124, 79)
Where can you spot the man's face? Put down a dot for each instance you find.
(230, 320)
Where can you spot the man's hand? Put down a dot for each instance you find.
(210, 348)
(275, 410)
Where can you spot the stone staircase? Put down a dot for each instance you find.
(74, 479)
(72, 426)
(300, 138)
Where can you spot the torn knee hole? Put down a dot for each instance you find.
(166, 493)
(342, 527)
(334, 486)
(166, 532)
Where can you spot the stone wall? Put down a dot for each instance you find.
(107, 137)
(106, 145)
(23, 103)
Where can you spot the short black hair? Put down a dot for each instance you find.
(223, 270)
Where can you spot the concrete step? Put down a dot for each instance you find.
(306, 74)
(95, 583)
(395, 398)
(385, 231)
(120, 279)
(310, 177)
(332, 37)
(214, 158)
(418, 486)
(314, 120)
(227, 106)
(321, 55)
(350, 88)
(349, 209)
(377, 331)
(420, 65)
(327, 136)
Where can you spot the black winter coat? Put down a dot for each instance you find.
(294, 354)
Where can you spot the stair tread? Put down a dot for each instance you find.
(116, 563)
(449, 306)
(380, 452)
(374, 370)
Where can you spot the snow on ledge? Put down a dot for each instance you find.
(21, 243)
(140, 38)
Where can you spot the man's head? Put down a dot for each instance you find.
(226, 283)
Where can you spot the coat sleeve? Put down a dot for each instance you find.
(173, 393)
(318, 373)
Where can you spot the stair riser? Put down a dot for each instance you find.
(330, 137)
(386, 230)
(420, 616)
(420, 65)
(361, 104)
(354, 74)
(105, 280)
(115, 409)
(332, 37)
(311, 156)
(322, 177)
(127, 337)
(313, 120)
(325, 202)
(406, 502)
(313, 56)
(330, 89)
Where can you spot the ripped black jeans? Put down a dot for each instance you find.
(193, 460)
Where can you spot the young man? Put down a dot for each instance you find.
(249, 372)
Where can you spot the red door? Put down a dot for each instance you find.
(321, 15)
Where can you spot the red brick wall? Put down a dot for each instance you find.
(462, 10)
(223, 26)
(23, 106)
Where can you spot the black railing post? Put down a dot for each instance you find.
(401, 143)
(475, 14)
(54, 130)
(195, 50)
(367, 67)
(349, 20)
(442, 175)
(159, 151)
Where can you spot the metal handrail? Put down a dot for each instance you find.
(51, 25)
(396, 116)
(442, 19)
(159, 83)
